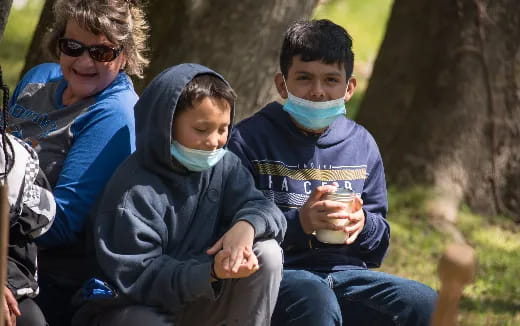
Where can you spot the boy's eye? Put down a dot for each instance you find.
(200, 129)
(302, 77)
(332, 80)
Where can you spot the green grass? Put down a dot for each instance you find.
(416, 246)
(16, 40)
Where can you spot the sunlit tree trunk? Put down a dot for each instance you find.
(239, 39)
(444, 102)
(5, 8)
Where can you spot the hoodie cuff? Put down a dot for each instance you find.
(257, 223)
(201, 285)
(369, 227)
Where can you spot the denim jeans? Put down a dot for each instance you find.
(357, 296)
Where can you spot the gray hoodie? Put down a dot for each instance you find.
(156, 219)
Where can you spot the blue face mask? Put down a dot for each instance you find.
(314, 115)
(194, 159)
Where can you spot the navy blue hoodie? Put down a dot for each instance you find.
(288, 164)
(157, 219)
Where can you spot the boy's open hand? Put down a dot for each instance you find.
(248, 266)
(316, 214)
(11, 310)
(237, 242)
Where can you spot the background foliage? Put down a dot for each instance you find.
(416, 245)
(17, 38)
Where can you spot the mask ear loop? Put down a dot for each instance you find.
(346, 90)
(285, 84)
(231, 123)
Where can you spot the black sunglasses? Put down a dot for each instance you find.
(101, 53)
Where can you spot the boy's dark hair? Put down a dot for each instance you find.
(202, 86)
(317, 40)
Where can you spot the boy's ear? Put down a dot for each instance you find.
(351, 87)
(280, 85)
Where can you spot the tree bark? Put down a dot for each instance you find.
(239, 39)
(443, 102)
(36, 53)
(5, 8)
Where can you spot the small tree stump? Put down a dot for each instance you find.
(456, 270)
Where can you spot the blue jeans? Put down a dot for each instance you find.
(356, 296)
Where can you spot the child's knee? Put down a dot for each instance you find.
(269, 254)
(421, 297)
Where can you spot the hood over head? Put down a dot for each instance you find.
(154, 115)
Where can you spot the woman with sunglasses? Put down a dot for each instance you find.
(78, 116)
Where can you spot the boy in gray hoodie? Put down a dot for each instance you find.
(181, 231)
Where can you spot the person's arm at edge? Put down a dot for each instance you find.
(35, 217)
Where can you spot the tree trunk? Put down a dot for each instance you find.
(5, 8)
(239, 39)
(36, 53)
(443, 101)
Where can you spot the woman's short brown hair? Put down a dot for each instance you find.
(121, 21)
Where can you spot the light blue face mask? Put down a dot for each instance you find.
(314, 115)
(194, 159)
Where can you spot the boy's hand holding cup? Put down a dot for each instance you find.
(350, 219)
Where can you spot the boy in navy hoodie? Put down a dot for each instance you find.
(297, 153)
(182, 232)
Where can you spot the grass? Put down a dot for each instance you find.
(416, 246)
(494, 297)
